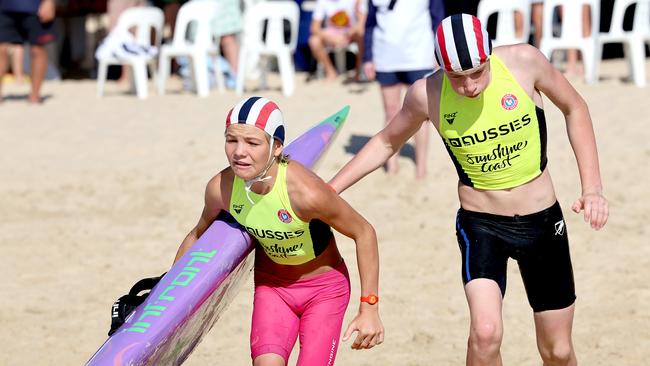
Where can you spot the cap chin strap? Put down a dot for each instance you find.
(260, 177)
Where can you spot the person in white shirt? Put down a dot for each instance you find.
(398, 51)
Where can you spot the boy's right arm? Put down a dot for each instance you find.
(388, 141)
(212, 206)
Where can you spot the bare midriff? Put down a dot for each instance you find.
(326, 261)
(533, 196)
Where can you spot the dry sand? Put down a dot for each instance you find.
(97, 193)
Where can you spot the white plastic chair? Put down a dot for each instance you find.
(571, 31)
(506, 33)
(201, 13)
(633, 40)
(143, 19)
(255, 45)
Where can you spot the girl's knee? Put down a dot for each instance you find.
(269, 359)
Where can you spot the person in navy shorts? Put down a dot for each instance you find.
(27, 21)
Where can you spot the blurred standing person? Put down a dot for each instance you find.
(537, 12)
(399, 51)
(27, 21)
(336, 23)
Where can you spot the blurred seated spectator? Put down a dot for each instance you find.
(228, 27)
(335, 24)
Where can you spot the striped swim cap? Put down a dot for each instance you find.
(261, 113)
(461, 43)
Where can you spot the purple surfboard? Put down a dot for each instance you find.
(188, 300)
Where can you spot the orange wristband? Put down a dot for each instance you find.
(371, 299)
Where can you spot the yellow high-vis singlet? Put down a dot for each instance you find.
(282, 235)
(496, 140)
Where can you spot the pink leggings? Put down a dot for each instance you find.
(312, 307)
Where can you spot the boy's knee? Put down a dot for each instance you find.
(558, 354)
(485, 337)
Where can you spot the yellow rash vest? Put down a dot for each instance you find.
(496, 140)
(282, 235)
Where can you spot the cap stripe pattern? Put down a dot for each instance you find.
(461, 43)
(261, 113)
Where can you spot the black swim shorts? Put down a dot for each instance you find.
(539, 244)
(19, 28)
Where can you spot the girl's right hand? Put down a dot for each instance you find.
(369, 328)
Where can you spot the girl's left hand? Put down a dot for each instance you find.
(369, 327)
(595, 207)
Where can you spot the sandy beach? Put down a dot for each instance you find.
(96, 193)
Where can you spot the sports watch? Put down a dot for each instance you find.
(371, 299)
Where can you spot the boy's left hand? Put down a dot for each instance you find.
(595, 207)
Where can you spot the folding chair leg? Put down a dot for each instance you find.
(588, 60)
(218, 73)
(635, 53)
(139, 80)
(200, 72)
(164, 68)
(241, 71)
(101, 77)
(597, 59)
(286, 73)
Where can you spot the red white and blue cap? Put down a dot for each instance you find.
(461, 43)
(261, 113)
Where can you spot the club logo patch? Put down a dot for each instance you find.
(238, 208)
(509, 102)
(284, 216)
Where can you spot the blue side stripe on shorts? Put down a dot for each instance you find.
(462, 232)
